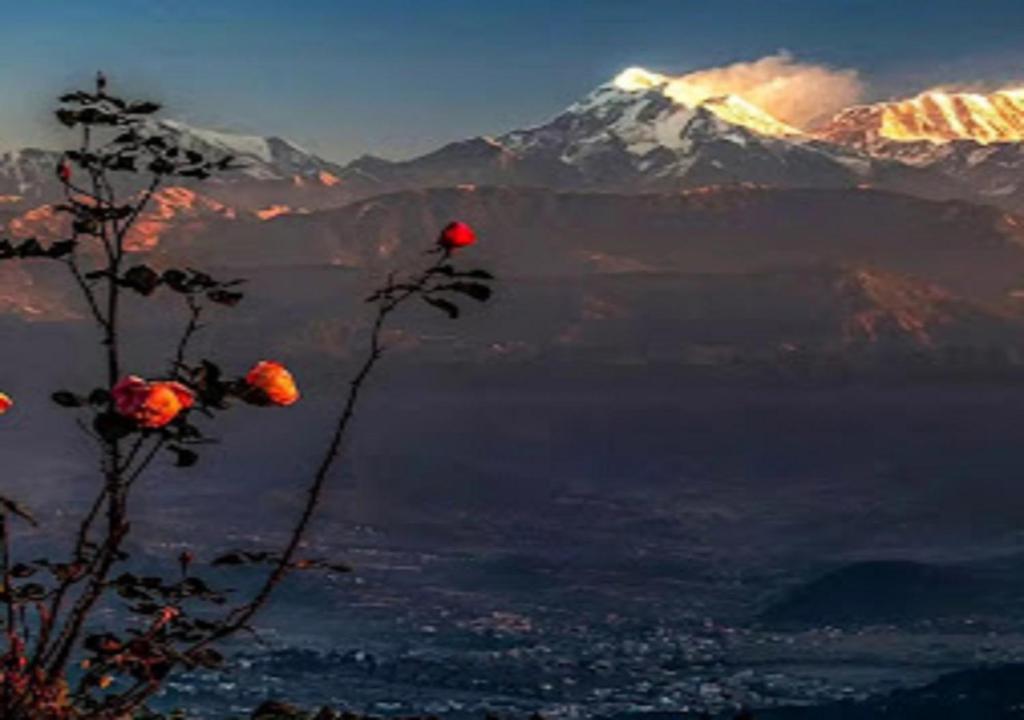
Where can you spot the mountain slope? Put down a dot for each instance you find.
(27, 177)
(173, 212)
(822, 317)
(993, 693)
(973, 250)
(885, 591)
(771, 315)
(262, 158)
(722, 277)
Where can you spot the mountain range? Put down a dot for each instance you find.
(701, 229)
(632, 135)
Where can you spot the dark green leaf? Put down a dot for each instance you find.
(142, 108)
(477, 291)
(232, 558)
(30, 248)
(476, 274)
(111, 426)
(84, 226)
(69, 118)
(448, 307)
(31, 592)
(161, 167)
(129, 137)
(22, 571)
(99, 396)
(225, 297)
(61, 248)
(122, 163)
(183, 456)
(200, 280)
(176, 280)
(207, 658)
(67, 399)
(142, 279)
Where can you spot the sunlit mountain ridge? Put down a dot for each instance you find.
(934, 116)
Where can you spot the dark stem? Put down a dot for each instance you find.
(195, 312)
(73, 577)
(389, 300)
(115, 489)
(5, 571)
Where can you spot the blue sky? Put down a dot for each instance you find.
(396, 77)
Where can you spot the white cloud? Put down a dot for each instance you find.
(798, 93)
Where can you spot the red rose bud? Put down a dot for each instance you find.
(167, 614)
(455, 235)
(64, 171)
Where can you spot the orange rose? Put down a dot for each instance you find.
(275, 382)
(151, 404)
(5, 403)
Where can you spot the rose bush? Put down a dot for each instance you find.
(56, 663)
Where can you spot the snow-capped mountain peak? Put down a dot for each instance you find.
(638, 112)
(633, 133)
(640, 121)
(730, 107)
(262, 158)
(637, 124)
(276, 165)
(638, 78)
(229, 143)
